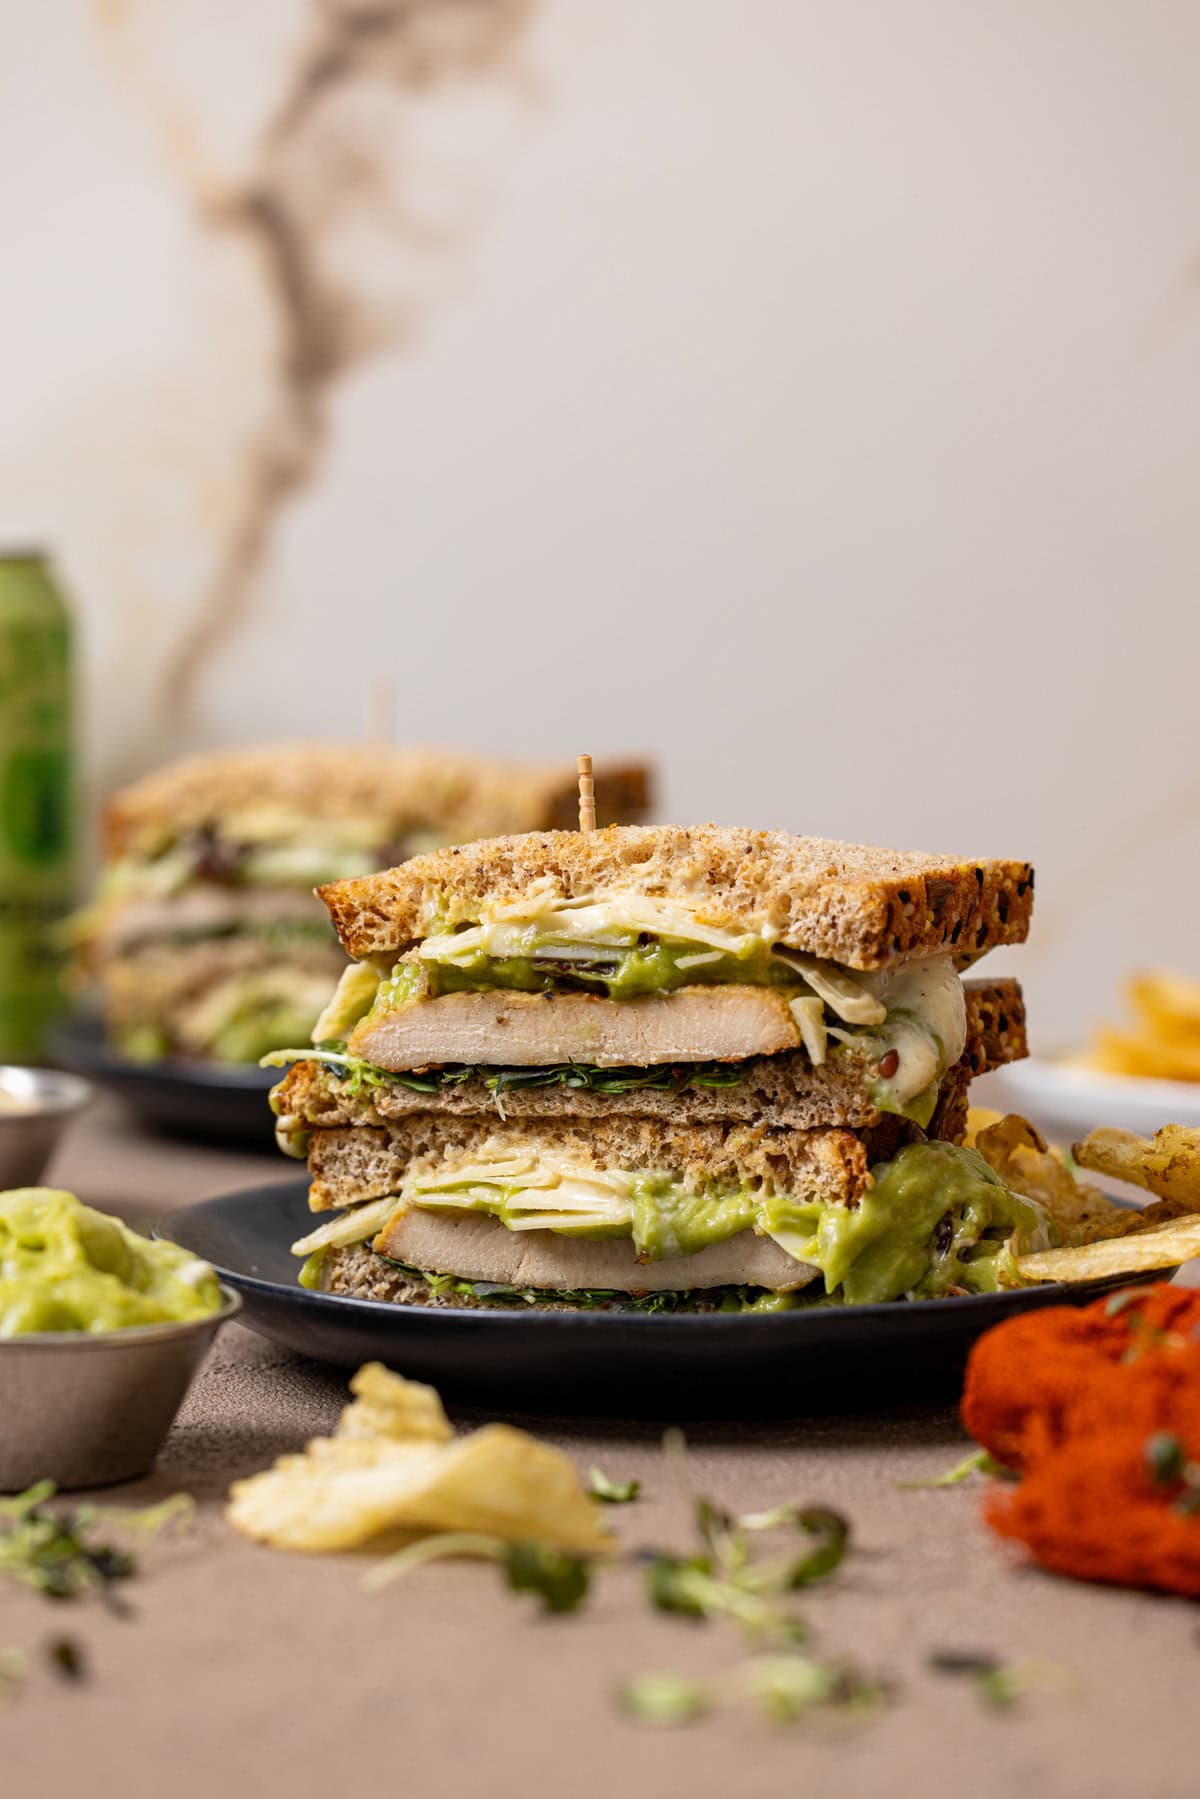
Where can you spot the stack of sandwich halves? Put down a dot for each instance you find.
(660, 1068)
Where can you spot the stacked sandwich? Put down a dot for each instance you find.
(205, 939)
(660, 1068)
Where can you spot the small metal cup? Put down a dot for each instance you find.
(87, 1410)
(46, 1101)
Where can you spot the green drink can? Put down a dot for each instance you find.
(37, 859)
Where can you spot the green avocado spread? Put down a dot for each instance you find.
(658, 965)
(937, 1220)
(66, 1267)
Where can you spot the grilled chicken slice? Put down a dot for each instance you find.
(530, 1030)
(478, 1248)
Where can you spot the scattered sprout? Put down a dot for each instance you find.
(559, 1579)
(14, 1666)
(1164, 1458)
(791, 1687)
(68, 1659)
(978, 1462)
(56, 1553)
(612, 1492)
(664, 1699)
(1000, 1684)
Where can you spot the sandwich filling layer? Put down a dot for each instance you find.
(329, 1087)
(933, 1219)
(637, 981)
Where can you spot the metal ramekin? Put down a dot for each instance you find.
(28, 1138)
(88, 1409)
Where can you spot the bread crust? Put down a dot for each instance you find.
(463, 796)
(848, 903)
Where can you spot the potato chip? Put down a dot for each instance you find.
(1164, 1040)
(978, 1119)
(1167, 1165)
(1135, 1252)
(393, 1466)
(1168, 1002)
(1020, 1155)
(1151, 1056)
(385, 1405)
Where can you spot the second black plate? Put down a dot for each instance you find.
(220, 1102)
(666, 1365)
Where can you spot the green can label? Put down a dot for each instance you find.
(36, 800)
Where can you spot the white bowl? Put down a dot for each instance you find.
(41, 1104)
(1066, 1102)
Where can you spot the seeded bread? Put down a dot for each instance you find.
(776, 1090)
(865, 908)
(366, 1162)
(458, 796)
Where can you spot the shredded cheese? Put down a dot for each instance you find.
(810, 1016)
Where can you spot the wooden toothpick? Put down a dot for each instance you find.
(587, 794)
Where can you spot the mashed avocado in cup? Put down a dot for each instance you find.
(66, 1267)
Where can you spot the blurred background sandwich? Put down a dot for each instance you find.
(204, 938)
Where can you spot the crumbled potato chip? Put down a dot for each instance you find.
(1020, 1155)
(1167, 1165)
(1135, 1252)
(394, 1467)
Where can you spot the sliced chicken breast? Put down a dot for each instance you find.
(528, 1030)
(479, 1248)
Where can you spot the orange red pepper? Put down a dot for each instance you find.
(1097, 1409)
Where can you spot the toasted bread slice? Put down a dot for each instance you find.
(366, 1162)
(776, 1090)
(865, 908)
(458, 796)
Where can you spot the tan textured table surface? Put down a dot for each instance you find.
(250, 1672)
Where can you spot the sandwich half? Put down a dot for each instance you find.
(205, 940)
(660, 1068)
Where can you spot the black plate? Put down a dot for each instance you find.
(685, 1365)
(221, 1102)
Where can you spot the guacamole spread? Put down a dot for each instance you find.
(937, 1219)
(658, 965)
(65, 1267)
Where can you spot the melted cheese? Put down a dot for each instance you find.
(925, 1023)
(607, 922)
(542, 1191)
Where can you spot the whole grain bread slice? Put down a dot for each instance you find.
(456, 795)
(360, 1162)
(784, 1090)
(863, 907)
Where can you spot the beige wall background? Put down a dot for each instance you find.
(805, 393)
